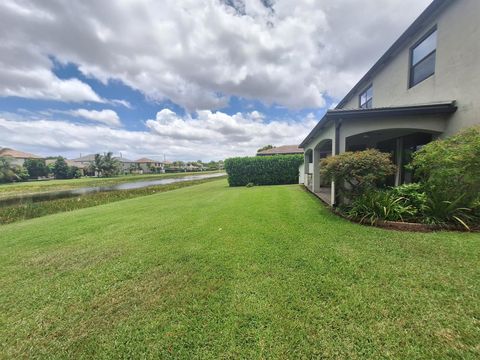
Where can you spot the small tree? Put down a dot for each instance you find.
(356, 172)
(36, 168)
(60, 169)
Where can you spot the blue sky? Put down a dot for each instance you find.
(189, 79)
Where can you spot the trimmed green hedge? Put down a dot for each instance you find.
(263, 170)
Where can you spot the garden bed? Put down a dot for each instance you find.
(396, 225)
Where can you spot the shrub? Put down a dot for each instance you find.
(445, 212)
(450, 168)
(410, 203)
(61, 170)
(376, 205)
(412, 195)
(263, 170)
(356, 172)
(36, 168)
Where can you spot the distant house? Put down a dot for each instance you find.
(85, 161)
(17, 157)
(126, 164)
(281, 150)
(149, 165)
(193, 167)
(69, 163)
(81, 167)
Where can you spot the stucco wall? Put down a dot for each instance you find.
(431, 124)
(457, 68)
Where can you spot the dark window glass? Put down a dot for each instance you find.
(366, 98)
(423, 59)
(423, 69)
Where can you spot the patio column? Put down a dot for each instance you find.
(334, 150)
(399, 161)
(306, 162)
(316, 170)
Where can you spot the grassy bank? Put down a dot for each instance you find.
(215, 272)
(32, 187)
(30, 210)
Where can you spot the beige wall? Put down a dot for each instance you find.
(431, 124)
(457, 69)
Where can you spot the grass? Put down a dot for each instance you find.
(29, 210)
(32, 187)
(214, 272)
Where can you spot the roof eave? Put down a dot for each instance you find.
(444, 107)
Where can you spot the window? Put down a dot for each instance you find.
(366, 98)
(422, 59)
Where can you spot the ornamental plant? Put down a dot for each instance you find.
(357, 172)
(450, 168)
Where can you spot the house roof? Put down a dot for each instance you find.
(69, 163)
(91, 157)
(85, 158)
(418, 25)
(7, 152)
(444, 107)
(146, 160)
(282, 150)
(123, 160)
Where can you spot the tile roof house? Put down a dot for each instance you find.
(425, 86)
(149, 165)
(281, 150)
(88, 159)
(17, 157)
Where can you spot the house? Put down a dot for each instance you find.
(193, 167)
(81, 167)
(126, 165)
(17, 157)
(149, 165)
(85, 161)
(425, 86)
(281, 150)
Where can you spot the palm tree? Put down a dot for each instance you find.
(110, 165)
(96, 166)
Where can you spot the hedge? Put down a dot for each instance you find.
(263, 170)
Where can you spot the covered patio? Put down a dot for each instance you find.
(399, 131)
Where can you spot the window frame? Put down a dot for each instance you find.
(411, 67)
(360, 97)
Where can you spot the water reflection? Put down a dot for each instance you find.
(95, 189)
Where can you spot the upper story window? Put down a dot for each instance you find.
(422, 58)
(366, 98)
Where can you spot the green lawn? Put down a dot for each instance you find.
(31, 187)
(215, 272)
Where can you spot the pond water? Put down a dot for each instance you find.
(52, 195)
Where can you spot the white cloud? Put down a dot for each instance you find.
(38, 83)
(124, 103)
(198, 52)
(107, 117)
(210, 135)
